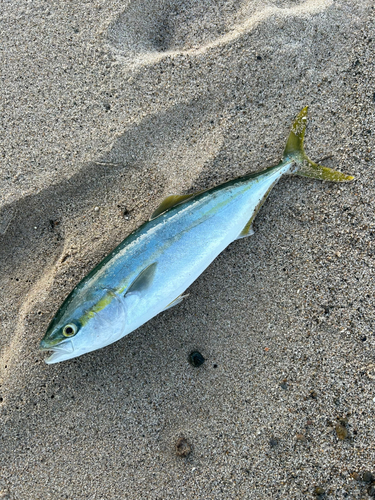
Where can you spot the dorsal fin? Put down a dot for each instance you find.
(172, 201)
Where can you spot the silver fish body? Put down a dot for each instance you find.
(149, 271)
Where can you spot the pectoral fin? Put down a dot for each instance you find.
(172, 201)
(174, 302)
(144, 280)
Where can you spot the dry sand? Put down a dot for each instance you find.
(117, 104)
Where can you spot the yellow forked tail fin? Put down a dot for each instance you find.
(305, 166)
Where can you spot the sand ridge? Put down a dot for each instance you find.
(142, 36)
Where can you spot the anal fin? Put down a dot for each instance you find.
(247, 230)
(176, 301)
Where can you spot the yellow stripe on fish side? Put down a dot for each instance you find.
(99, 306)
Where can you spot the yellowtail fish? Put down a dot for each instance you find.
(150, 270)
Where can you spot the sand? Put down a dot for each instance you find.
(107, 107)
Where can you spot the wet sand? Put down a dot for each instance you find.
(107, 107)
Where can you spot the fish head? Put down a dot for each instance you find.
(60, 341)
(77, 330)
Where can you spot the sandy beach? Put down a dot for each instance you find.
(108, 107)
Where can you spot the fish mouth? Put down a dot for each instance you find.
(60, 352)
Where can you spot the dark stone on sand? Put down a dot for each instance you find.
(313, 394)
(183, 448)
(341, 431)
(319, 491)
(196, 359)
(274, 442)
(367, 477)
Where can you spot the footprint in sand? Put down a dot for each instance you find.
(140, 35)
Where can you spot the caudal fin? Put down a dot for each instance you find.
(306, 167)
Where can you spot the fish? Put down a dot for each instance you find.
(151, 269)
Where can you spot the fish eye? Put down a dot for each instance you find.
(70, 330)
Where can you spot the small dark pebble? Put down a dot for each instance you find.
(301, 437)
(53, 224)
(274, 442)
(341, 431)
(364, 338)
(328, 308)
(259, 58)
(319, 492)
(371, 490)
(196, 359)
(183, 448)
(284, 385)
(107, 106)
(367, 477)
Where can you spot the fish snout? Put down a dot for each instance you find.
(44, 345)
(65, 346)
